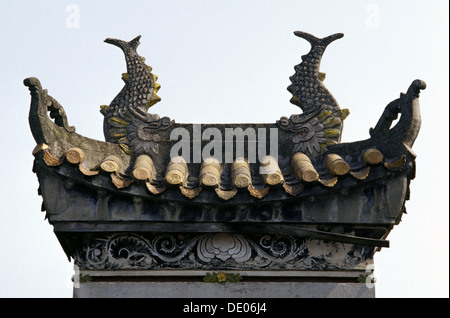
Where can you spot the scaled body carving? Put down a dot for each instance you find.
(133, 101)
(321, 123)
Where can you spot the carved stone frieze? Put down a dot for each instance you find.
(217, 251)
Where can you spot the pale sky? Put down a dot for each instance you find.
(225, 62)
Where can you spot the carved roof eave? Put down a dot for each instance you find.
(387, 151)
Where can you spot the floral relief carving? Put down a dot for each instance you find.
(217, 251)
(223, 246)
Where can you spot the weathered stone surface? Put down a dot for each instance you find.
(258, 290)
(378, 200)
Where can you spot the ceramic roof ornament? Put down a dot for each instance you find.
(321, 122)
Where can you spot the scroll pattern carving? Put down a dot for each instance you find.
(217, 251)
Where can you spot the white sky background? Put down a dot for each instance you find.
(225, 62)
